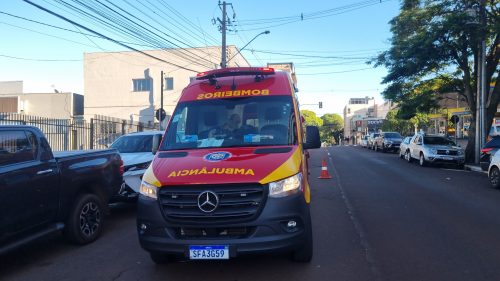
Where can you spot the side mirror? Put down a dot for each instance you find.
(156, 143)
(312, 138)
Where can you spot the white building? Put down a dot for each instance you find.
(356, 110)
(127, 85)
(50, 105)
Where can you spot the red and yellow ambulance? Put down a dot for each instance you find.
(230, 176)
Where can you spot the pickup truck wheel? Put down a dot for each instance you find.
(305, 253)
(422, 161)
(84, 223)
(494, 177)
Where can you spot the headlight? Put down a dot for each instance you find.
(286, 186)
(148, 190)
(141, 166)
(433, 151)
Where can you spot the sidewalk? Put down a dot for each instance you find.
(470, 167)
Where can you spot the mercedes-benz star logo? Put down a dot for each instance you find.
(208, 201)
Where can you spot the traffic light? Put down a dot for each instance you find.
(320, 104)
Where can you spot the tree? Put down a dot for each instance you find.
(434, 50)
(311, 118)
(333, 125)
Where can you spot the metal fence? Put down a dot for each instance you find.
(77, 134)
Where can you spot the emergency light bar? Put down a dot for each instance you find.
(234, 71)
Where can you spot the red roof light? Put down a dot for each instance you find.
(235, 71)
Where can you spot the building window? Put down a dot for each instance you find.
(169, 83)
(142, 85)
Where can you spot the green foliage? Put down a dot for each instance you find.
(333, 125)
(406, 127)
(311, 118)
(434, 50)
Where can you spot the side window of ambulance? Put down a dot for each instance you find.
(180, 119)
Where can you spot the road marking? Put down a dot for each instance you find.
(357, 226)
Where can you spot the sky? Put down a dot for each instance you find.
(328, 41)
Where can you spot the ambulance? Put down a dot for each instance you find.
(230, 177)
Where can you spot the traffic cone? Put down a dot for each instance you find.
(324, 171)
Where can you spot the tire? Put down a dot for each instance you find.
(305, 253)
(401, 155)
(408, 156)
(494, 177)
(421, 160)
(85, 222)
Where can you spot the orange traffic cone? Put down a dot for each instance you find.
(324, 171)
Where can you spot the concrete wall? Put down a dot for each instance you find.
(50, 105)
(108, 80)
(11, 87)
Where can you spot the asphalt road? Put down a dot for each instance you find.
(378, 218)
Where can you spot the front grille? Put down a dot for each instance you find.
(237, 202)
(450, 152)
(213, 232)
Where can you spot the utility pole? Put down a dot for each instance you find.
(161, 100)
(484, 133)
(223, 30)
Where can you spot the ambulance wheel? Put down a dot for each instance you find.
(305, 253)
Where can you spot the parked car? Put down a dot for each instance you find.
(489, 149)
(430, 149)
(364, 141)
(137, 150)
(43, 192)
(404, 146)
(388, 141)
(371, 140)
(494, 171)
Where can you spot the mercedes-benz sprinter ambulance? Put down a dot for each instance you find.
(230, 176)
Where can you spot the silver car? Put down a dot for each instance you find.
(430, 149)
(404, 146)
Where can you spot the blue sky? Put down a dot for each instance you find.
(348, 35)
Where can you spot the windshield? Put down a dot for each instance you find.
(131, 144)
(392, 135)
(438, 141)
(250, 121)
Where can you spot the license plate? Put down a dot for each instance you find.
(447, 158)
(214, 252)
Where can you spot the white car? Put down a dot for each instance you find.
(494, 170)
(137, 150)
(430, 149)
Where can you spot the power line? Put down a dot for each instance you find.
(312, 56)
(103, 36)
(119, 21)
(315, 15)
(31, 59)
(336, 72)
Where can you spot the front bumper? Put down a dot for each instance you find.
(268, 233)
(392, 146)
(446, 159)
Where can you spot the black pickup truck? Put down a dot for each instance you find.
(43, 192)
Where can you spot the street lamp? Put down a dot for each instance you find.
(264, 32)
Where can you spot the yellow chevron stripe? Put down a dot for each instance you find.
(287, 169)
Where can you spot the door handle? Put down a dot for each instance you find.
(44, 172)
